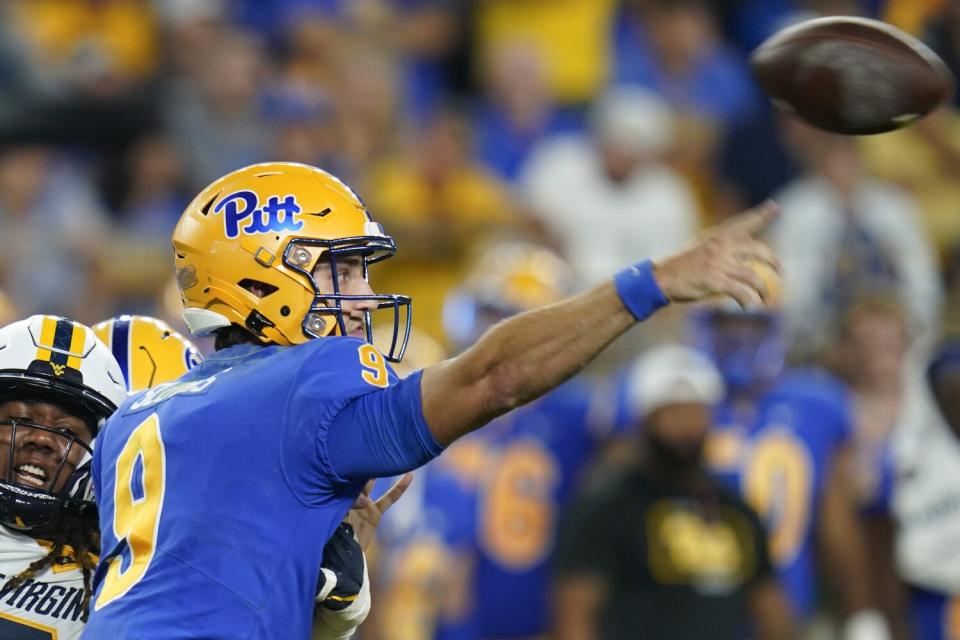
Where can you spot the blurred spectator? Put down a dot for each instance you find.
(870, 352)
(842, 233)
(8, 310)
(674, 47)
(429, 39)
(86, 47)
(155, 193)
(942, 33)
(218, 121)
(922, 498)
(304, 129)
(609, 197)
(152, 195)
(783, 439)
(570, 36)
(439, 205)
(661, 549)
(368, 110)
(924, 159)
(53, 227)
(516, 110)
(751, 163)
(914, 16)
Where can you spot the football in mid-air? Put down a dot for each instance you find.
(851, 75)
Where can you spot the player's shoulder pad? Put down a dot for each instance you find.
(815, 386)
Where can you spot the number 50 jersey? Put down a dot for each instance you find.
(217, 492)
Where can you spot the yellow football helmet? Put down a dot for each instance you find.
(507, 278)
(149, 350)
(247, 246)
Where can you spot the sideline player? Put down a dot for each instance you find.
(57, 385)
(782, 439)
(659, 548)
(524, 465)
(208, 531)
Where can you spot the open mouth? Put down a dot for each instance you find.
(31, 475)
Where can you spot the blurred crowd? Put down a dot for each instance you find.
(518, 150)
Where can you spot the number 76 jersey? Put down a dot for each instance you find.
(217, 496)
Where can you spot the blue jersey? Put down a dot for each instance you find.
(426, 543)
(934, 616)
(524, 467)
(218, 491)
(780, 461)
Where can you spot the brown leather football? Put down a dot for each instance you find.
(851, 75)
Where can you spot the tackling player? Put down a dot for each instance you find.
(781, 439)
(57, 385)
(208, 531)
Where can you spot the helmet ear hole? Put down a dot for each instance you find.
(285, 311)
(257, 288)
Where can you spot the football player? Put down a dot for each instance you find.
(150, 352)
(211, 531)
(524, 466)
(782, 439)
(57, 385)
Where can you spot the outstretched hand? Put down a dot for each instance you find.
(722, 262)
(365, 513)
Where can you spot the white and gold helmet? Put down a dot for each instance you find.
(61, 362)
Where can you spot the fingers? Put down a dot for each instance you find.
(746, 286)
(752, 221)
(757, 251)
(367, 488)
(363, 501)
(394, 493)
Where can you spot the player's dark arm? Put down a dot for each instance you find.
(770, 611)
(891, 593)
(527, 355)
(840, 539)
(577, 599)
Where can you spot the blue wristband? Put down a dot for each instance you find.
(639, 291)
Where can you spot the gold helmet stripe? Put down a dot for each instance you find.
(47, 332)
(76, 345)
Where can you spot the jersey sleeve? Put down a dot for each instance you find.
(382, 434)
(348, 418)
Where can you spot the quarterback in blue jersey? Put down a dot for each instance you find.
(217, 491)
(781, 439)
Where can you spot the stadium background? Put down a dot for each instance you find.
(607, 130)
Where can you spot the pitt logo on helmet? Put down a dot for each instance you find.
(276, 215)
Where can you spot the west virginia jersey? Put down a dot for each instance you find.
(780, 461)
(218, 491)
(47, 607)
